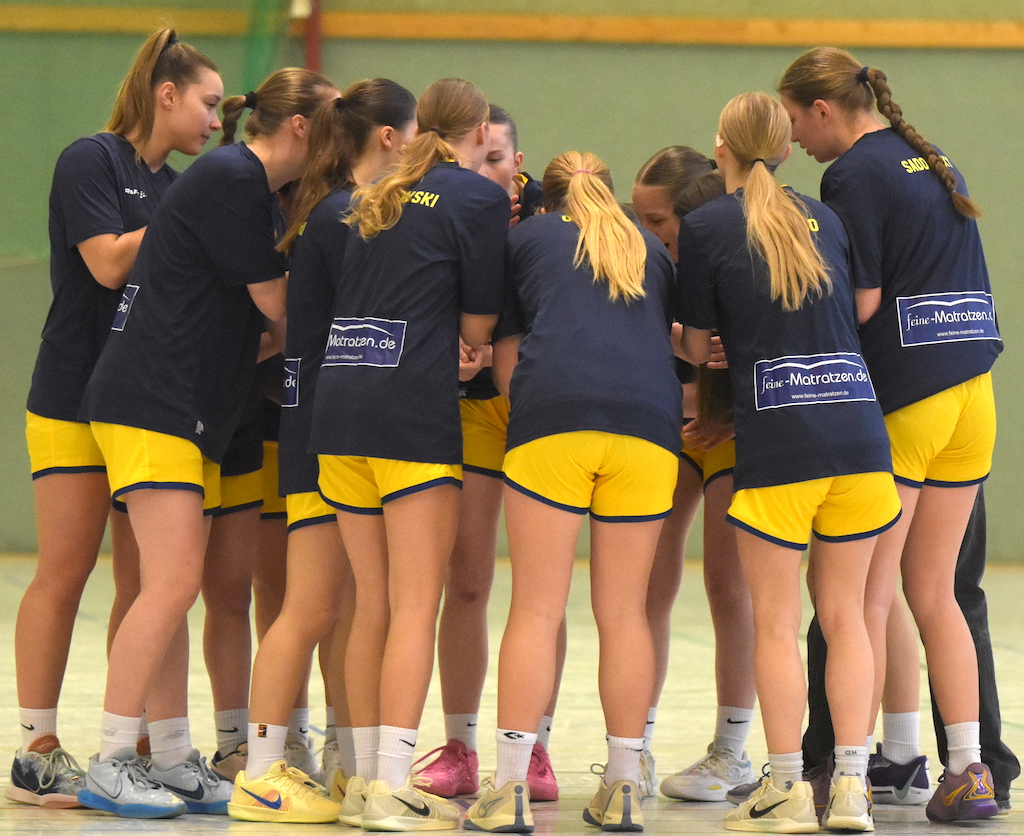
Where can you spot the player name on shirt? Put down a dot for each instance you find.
(916, 164)
(421, 197)
(804, 379)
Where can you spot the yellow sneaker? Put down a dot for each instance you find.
(501, 811)
(336, 783)
(282, 795)
(770, 810)
(353, 803)
(616, 807)
(407, 808)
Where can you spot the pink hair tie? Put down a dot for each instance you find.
(583, 171)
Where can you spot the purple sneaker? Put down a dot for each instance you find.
(963, 797)
(898, 783)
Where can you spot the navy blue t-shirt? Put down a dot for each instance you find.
(804, 407)
(182, 350)
(98, 188)
(316, 262)
(389, 383)
(587, 362)
(936, 326)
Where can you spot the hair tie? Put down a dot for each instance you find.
(251, 100)
(340, 103)
(441, 134)
(172, 39)
(714, 165)
(583, 171)
(862, 76)
(758, 160)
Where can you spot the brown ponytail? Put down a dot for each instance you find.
(448, 109)
(284, 94)
(161, 58)
(834, 75)
(339, 135)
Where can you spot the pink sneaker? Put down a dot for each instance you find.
(453, 772)
(541, 777)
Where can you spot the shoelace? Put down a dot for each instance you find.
(54, 763)
(135, 771)
(308, 784)
(206, 775)
(543, 767)
(441, 752)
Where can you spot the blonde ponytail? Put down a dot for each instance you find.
(447, 109)
(580, 185)
(756, 129)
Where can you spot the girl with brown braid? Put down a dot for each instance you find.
(929, 338)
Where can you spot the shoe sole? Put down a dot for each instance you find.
(858, 823)
(694, 793)
(129, 811)
(403, 824)
(444, 792)
(772, 826)
(48, 801)
(517, 826)
(914, 796)
(243, 812)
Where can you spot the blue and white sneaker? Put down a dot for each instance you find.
(119, 785)
(49, 779)
(896, 783)
(202, 789)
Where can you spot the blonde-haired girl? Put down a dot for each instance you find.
(594, 427)
(425, 269)
(769, 269)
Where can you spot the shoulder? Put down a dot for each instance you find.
(470, 185)
(548, 227)
(98, 149)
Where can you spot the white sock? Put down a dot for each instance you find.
(170, 742)
(116, 733)
(298, 726)
(901, 736)
(347, 751)
(963, 743)
(330, 729)
(732, 726)
(869, 744)
(36, 722)
(544, 730)
(232, 729)
(786, 769)
(652, 714)
(266, 747)
(623, 759)
(394, 755)
(514, 750)
(851, 760)
(365, 742)
(462, 727)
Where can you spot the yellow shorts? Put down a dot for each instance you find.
(363, 485)
(308, 509)
(240, 493)
(274, 507)
(484, 430)
(56, 446)
(945, 440)
(618, 478)
(710, 464)
(138, 459)
(836, 508)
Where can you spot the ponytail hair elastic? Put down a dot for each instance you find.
(251, 100)
(862, 76)
(758, 160)
(583, 171)
(172, 39)
(441, 134)
(340, 103)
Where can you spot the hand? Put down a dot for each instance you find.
(717, 360)
(471, 360)
(516, 207)
(707, 435)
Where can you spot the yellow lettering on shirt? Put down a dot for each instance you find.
(422, 198)
(813, 224)
(915, 164)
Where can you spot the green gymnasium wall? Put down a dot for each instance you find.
(621, 101)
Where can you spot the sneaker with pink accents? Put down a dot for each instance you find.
(453, 772)
(541, 777)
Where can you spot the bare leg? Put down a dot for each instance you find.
(126, 570)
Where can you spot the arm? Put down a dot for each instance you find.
(506, 355)
(691, 344)
(272, 340)
(475, 329)
(270, 297)
(869, 300)
(110, 257)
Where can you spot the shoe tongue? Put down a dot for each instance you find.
(45, 744)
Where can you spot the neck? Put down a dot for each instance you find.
(466, 150)
(863, 122)
(369, 167)
(154, 153)
(280, 160)
(735, 177)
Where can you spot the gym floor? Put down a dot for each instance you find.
(684, 726)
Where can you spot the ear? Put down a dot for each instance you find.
(386, 135)
(483, 133)
(788, 151)
(822, 110)
(517, 162)
(166, 94)
(300, 125)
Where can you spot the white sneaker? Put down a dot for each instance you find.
(770, 810)
(298, 755)
(407, 808)
(120, 785)
(710, 778)
(330, 758)
(849, 805)
(201, 788)
(648, 786)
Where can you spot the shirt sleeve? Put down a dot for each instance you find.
(860, 204)
(695, 307)
(85, 185)
(481, 242)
